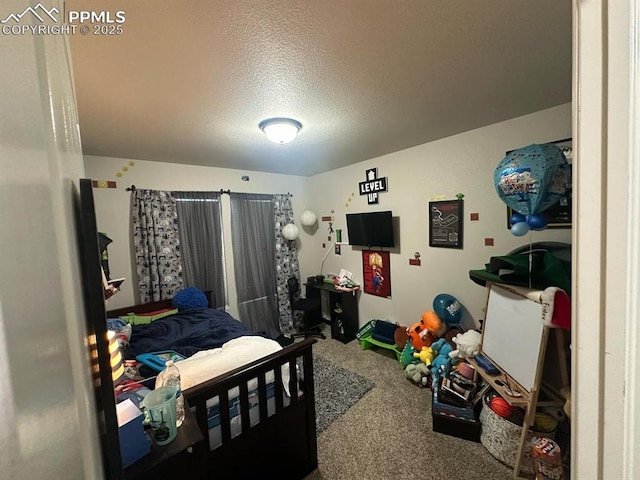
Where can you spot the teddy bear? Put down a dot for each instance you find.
(418, 373)
(468, 344)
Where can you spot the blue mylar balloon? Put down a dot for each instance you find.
(537, 222)
(533, 178)
(519, 229)
(447, 308)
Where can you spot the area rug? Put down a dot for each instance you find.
(337, 390)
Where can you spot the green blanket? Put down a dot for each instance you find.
(539, 269)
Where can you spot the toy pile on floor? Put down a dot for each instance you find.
(433, 353)
(433, 350)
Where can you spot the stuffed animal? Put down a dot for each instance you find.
(419, 336)
(418, 373)
(433, 323)
(442, 362)
(441, 347)
(406, 357)
(425, 355)
(440, 368)
(468, 344)
(401, 337)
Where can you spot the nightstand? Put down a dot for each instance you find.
(184, 457)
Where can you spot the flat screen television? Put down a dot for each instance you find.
(370, 229)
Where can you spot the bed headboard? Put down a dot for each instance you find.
(149, 307)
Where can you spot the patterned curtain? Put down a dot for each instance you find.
(157, 245)
(286, 264)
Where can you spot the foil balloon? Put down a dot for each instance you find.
(533, 178)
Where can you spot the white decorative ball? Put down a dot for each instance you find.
(290, 232)
(308, 218)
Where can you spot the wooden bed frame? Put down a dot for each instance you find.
(281, 445)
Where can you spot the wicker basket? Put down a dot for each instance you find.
(502, 438)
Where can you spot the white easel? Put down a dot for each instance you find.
(507, 331)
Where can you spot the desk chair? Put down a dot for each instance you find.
(308, 306)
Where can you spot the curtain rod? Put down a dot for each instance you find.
(132, 188)
(228, 192)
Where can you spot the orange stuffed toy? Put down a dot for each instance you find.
(420, 336)
(433, 323)
(426, 331)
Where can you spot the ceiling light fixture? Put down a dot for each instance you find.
(280, 130)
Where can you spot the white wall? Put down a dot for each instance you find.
(47, 420)
(606, 313)
(113, 207)
(463, 163)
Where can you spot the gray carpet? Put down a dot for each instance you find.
(337, 390)
(388, 433)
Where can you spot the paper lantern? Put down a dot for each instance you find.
(290, 232)
(308, 218)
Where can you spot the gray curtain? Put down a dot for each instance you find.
(286, 264)
(157, 245)
(253, 238)
(200, 230)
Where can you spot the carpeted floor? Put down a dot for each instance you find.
(337, 390)
(388, 433)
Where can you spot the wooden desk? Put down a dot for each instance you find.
(339, 309)
(173, 460)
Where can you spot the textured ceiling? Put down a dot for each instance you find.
(188, 82)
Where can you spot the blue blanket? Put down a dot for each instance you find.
(186, 332)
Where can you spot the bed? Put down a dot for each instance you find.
(257, 418)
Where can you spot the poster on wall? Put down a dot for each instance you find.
(445, 224)
(376, 273)
(372, 186)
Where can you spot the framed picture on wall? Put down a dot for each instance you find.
(558, 215)
(376, 273)
(445, 224)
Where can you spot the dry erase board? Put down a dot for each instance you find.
(513, 334)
